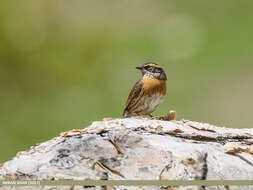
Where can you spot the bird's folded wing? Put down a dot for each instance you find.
(134, 96)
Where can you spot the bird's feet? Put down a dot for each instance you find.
(139, 116)
(152, 117)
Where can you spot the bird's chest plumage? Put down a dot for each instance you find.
(154, 94)
(154, 86)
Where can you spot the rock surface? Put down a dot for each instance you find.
(135, 148)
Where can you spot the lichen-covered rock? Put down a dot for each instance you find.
(135, 148)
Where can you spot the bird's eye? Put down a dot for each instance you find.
(147, 67)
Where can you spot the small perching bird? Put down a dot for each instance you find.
(148, 92)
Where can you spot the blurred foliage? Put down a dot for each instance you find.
(66, 63)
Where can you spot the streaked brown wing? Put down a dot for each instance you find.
(134, 95)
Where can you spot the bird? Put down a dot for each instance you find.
(148, 92)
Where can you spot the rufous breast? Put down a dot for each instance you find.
(153, 86)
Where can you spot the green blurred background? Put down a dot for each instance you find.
(64, 64)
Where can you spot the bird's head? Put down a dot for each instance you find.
(152, 70)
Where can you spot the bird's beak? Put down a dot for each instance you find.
(140, 68)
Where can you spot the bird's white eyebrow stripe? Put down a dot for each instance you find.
(153, 65)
